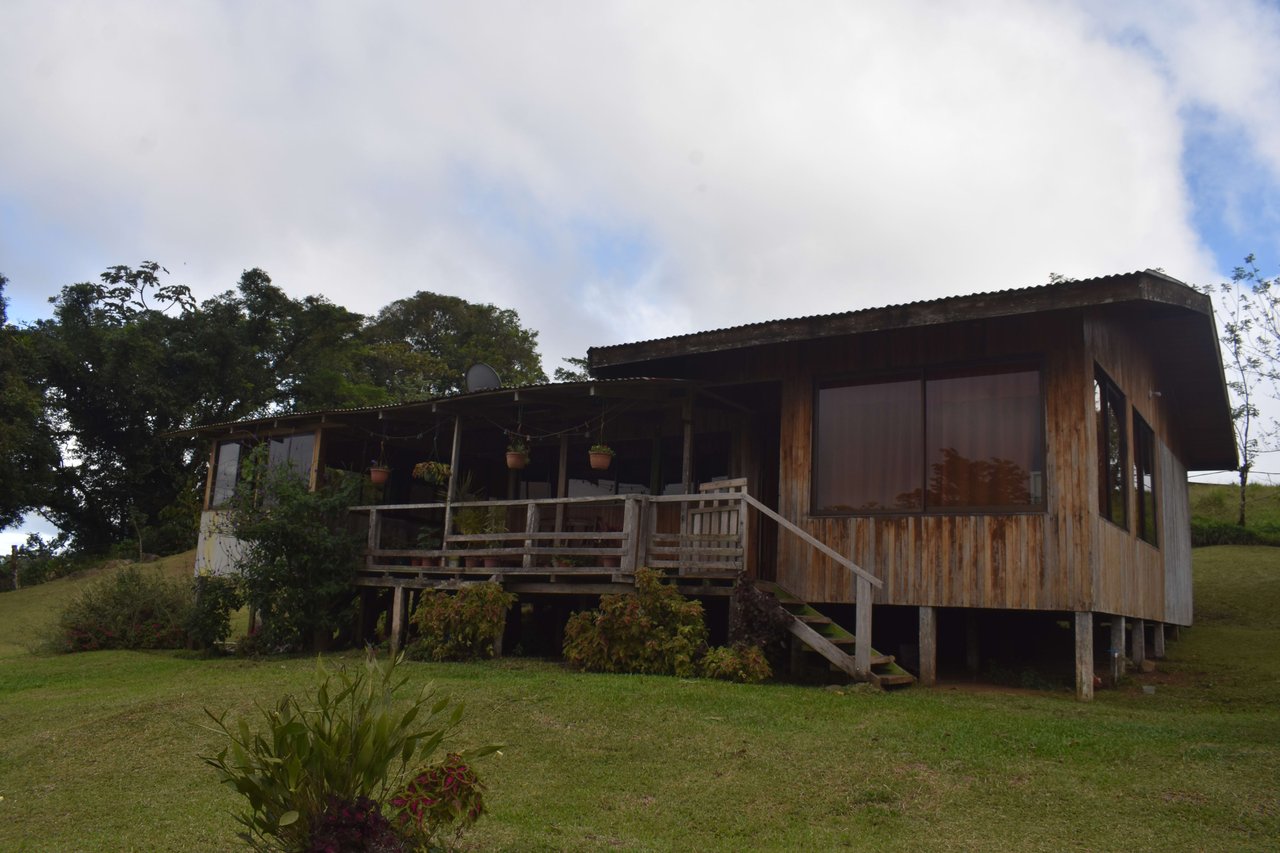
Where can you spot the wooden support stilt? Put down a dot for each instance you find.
(397, 620)
(1157, 636)
(1138, 642)
(928, 646)
(1084, 656)
(1117, 647)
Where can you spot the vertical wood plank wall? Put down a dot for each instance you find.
(1132, 577)
(1022, 561)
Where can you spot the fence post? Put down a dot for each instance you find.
(13, 564)
(375, 534)
(862, 632)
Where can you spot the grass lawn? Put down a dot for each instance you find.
(99, 750)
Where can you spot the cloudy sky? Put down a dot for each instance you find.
(620, 171)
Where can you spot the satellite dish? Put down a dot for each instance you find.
(482, 377)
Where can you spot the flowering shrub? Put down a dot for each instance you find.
(736, 663)
(461, 625)
(653, 630)
(446, 794)
(129, 608)
(344, 744)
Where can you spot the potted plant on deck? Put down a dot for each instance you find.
(601, 456)
(432, 472)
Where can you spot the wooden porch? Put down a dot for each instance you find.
(594, 545)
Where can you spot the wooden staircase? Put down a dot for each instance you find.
(821, 635)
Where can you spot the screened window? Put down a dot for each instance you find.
(1144, 479)
(947, 440)
(1113, 450)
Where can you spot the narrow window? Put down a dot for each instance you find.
(1113, 450)
(1144, 479)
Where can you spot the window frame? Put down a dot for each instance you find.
(921, 375)
(1105, 389)
(1144, 450)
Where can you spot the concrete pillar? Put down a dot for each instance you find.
(928, 646)
(1118, 645)
(1084, 656)
(1138, 642)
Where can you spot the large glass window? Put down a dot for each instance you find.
(1113, 450)
(295, 451)
(966, 439)
(1144, 479)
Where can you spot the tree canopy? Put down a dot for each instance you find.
(87, 396)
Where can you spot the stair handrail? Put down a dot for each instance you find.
(814, 542)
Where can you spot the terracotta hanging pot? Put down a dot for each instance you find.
(601, 457)
(378, 474)
(516, 460)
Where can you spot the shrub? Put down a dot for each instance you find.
(359, 825)
(129, 608)
(346, 741)
(444, 795)
(209, 621)
(653, 630)
(757, 619)
(743, 663)
(462, 625)
(299, 555)
(1205, 532)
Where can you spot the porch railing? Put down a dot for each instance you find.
(702, 535)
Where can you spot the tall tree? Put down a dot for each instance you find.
(28, 453)
(423, 344)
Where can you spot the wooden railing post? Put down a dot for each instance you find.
(530, 526)
(630, 533)
(397, 619)
(375, 534)
(862, 629)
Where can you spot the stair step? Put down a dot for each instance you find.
(892, 680)
(813, 619)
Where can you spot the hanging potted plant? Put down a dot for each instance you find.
(432, 472)
(601, 456)
(517, 454)
(378, 472)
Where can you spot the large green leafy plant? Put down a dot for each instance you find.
(461, 625)
(327, 764)
(299, 552)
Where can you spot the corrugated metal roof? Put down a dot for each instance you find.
(938, 301)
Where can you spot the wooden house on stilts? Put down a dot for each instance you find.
(916, 473)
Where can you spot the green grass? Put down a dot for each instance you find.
(1221, 502)
(98, 750)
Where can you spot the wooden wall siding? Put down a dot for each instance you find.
(1023, 561)
(1175, 536)
(1130, 577)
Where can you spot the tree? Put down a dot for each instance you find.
(28, 453)
(1250, 308)
(424, 344)
(578, 370)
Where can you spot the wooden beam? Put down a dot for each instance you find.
(562, 480)
(455, 456)
(1138, 642)
(1084, 656)
(928, 646)
(1157, 635)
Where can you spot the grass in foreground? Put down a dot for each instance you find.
(99, 751)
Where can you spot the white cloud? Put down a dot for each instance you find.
(753, 160)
